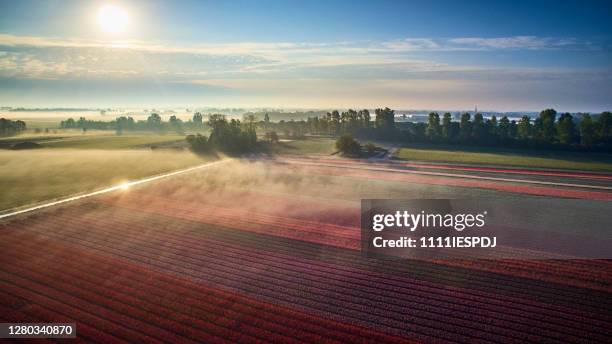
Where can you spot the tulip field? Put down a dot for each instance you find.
(269, 251)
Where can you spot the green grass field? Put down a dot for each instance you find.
(554, 160)
(32, 176)
(113, 141)
(94, 140)
(73, 162)
(318, 145)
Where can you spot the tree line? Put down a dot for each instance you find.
(153, 122)
(333, 123)
(548, 130)
(9, 127)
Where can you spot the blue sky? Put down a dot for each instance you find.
(499, 55)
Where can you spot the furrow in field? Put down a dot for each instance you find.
(503, 313)
(153, 276)
(295, 249)
(349, 238)
(277, 279)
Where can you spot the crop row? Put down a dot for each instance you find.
(415, 300)
(142, 286)
(330, 235)
(377, 286)
(278, 278)
(37, 313)
(296, 207)
(581, 269)
(106, 224)
(291, 295)
(188, 245)
(197, 246)
(67, 305)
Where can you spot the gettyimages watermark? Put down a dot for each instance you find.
(539, 228)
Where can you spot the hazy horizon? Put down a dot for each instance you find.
(18, 111)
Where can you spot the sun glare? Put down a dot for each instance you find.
(112, 18)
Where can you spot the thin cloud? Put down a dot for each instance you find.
(517, 42)
(302, 73)
(480, 44)
(42, 57)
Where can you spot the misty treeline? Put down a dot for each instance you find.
(125, 123)
(9, 127)
(548, 130)
(332, 123)
(230, 136)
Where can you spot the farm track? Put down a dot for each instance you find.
(457, 166)
(486, 170)
(155, 265)
(378, 171)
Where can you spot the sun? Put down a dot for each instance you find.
(112, 18)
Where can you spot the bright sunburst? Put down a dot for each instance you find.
(112, 18)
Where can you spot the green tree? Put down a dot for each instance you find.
(446, 126)
(587, 131)
(465, 127)
(176, 124)
(69, 123)
(173, 120)
(335, 118)
(604, 127)
(347, 145)
(266, 121)
(385, 118)
(9, 127)
(198, 143)
(523, 129)
(154, 121)
(566, 130)
(547, 126)
(492, 126)
(478, 127)
(365, 116)
(433, 126)
(512, 129)
(197, 119)
(503, 131)
(231, 136)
